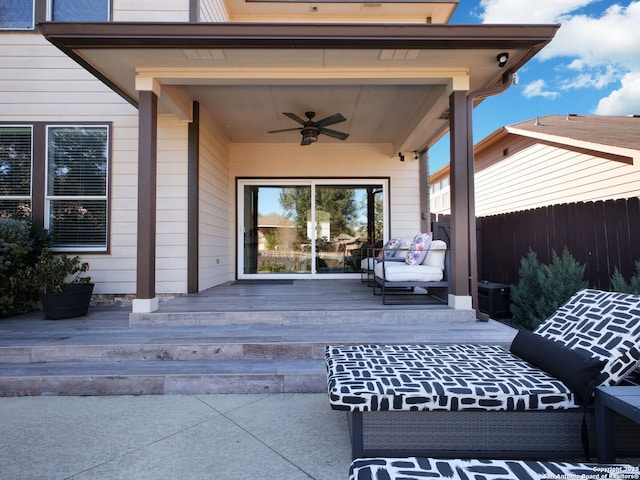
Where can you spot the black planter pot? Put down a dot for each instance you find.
(73, 301)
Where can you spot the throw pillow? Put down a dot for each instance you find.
(576, 369)
(390, 248)
(418, 249)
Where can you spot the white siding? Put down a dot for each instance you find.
(150, 10)
(546, 175)
(337, 160)
(216, 247)
(171, 220)
(213, 11)
(40, 84)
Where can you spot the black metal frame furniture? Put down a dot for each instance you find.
(483, 401)
(397, 278)
(608, 401)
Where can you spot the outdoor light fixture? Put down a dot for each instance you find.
(309, 135)
(502, 59)
(415, 155)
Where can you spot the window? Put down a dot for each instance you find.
(80, 10)
(76, 210)
(17, 15)
(15, 170)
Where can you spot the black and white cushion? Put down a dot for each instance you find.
(604, 324)
(421, 468)
(439, 377)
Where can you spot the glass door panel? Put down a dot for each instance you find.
(312, 228)
(275, 229)
(347, 217)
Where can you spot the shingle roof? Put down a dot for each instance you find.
(614, 131)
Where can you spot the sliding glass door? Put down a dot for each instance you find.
(313, 228)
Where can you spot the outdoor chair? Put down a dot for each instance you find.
(429, 272)
(484, 401)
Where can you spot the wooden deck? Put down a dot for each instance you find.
(245, 337)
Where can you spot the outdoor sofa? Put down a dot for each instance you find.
(429, 271)
(484, 401)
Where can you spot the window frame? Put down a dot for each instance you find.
(38, 14)
(50, 5)
(28, 197)
(39, 154)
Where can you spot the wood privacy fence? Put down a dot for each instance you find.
(601, 235)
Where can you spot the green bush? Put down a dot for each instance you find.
(542, 288)
(20, 246)
(619, 284)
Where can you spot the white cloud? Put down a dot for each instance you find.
(522, 11)
(593, 49)
(597, 78)
(625, 100)
(537, 88)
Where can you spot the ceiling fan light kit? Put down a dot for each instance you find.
(310, 129)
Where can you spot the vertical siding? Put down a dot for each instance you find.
(150, 10)
(337, 160)
(213, 11)
(216, 247)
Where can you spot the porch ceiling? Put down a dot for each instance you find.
(391, 82)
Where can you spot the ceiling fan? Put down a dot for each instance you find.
(310, 129)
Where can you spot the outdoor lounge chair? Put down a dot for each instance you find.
(394, 277)
(421, 468)
(484, 401)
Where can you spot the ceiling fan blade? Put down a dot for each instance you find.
(285, 130)
(334, 133)
(330, 120)
(295, 117)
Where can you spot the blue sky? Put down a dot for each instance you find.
(592, 66)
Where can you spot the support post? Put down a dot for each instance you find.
(146, 300)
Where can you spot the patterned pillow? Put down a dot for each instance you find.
(418, 249)
(390, 248)
(604, 324)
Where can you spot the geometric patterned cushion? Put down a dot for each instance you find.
(422, 468)
(606, 325)
(438, 377)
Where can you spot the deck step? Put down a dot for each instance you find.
(160, 377)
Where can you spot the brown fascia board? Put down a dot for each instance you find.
(290, 35)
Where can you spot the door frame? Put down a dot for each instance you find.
(312, 182)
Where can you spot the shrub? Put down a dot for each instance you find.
(542, 288)
(20, 246)
(619, 284)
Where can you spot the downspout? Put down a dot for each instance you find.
(507, 81)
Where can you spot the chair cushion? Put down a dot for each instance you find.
(606, 325)
(575, 368)
(401, 272)
(418, 249)
(436, 254)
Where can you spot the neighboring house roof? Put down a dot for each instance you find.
(617, 138)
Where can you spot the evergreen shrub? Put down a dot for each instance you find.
(20, 247)
(543, 288)
(619, 284)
